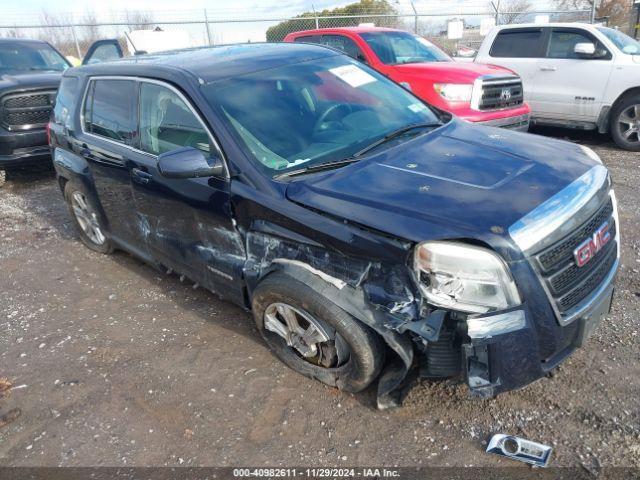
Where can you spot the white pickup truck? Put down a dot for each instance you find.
(575, 75)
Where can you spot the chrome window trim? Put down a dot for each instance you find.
(162, 83)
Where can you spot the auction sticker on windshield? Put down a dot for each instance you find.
(353, 75)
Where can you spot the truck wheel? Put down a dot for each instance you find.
(625, 124)
(85, 218)
(315, 337)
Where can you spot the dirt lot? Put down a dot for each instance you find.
(114, 364)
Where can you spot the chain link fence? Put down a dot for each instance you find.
(73, 36)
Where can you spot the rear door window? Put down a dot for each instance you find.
(167, 123)
(110, 110)
(344, 44)
(308, 39)
(518, 44)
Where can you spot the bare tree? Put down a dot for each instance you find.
(617, 12)
(56, 30)
(511, 11)
(15, 33)
(90, 28)
(138, 20)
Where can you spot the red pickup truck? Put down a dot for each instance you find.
(485, 94)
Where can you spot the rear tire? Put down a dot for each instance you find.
(85, 218)
(349, 355)
(625, 123)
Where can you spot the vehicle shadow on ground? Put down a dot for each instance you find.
(235, 319)
(39, 193)
(197, 301)
(585, 137)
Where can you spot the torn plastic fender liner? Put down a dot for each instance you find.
(501, 354)
(353, 301)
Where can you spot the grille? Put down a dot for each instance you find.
(569, 284)
(556, 254)
(500, 93)
(26, 110)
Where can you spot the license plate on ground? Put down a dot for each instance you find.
(593, 319)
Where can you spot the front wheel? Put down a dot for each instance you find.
(625, 124)
(315, 337)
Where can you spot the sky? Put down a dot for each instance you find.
(25, 12)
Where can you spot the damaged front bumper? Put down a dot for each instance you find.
(503, 349)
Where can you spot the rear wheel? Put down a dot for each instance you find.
(85, 218)
(625, 123)
(315, 337)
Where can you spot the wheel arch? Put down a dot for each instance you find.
(347, 293)
(604, 123)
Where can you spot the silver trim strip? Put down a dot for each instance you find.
(557, 216)
(156, 82)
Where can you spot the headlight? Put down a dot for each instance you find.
(454, 92)
(591, 154)
(463, 277)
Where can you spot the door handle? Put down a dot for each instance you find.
(548, 69)
(86, 153)
(140, 176)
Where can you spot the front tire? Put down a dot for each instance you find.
(314, 336)
(625, 123)
(85, 218)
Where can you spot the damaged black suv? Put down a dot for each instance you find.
(367, 232)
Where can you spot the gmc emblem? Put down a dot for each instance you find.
(591, 246)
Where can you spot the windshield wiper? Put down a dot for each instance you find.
(317, 168)
(395, 134)
(356, 156)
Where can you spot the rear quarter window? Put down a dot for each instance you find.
(111, 110)
(517, 44)
(65, 101)
(307, 39)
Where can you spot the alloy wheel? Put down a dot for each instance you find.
(308, 337)
(629, 123)
(87, 218)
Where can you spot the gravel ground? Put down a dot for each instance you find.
(114, 364)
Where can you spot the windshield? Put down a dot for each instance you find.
(314, 112)
(30, 57)
(394, 48)
(623, 42)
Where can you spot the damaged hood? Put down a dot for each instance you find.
(459, 181)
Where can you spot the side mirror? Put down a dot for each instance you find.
(586, 49)
(189, 162)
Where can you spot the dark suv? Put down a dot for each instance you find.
(367, 232)
(30, 72)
